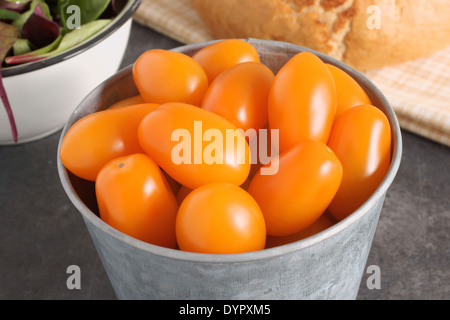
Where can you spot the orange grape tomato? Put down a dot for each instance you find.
(361, 139)
(195, 146)
(134, 197)
(100, 137)
(349, 92)
(302, 101)
(167, 76)
(240, 93)
(292, 199)
(322, 223)
(220, 218)
(221, 55)
(128, 102)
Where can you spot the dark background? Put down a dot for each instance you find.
(41, 233)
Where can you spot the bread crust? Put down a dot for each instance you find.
(365, 34)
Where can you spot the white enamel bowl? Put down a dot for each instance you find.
(43, 94)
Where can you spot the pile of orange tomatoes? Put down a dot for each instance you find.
(174, 166)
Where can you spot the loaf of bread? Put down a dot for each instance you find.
(365, 34)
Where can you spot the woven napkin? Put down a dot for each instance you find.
(418, 90)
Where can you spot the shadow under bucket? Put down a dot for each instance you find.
(327, 265)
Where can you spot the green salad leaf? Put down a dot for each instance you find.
(6, 14)
(18, 23)
(62, 43)
(14, 5)
(22, 46)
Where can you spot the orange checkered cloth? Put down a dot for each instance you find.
(418, 90)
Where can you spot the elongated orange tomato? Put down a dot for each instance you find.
(134, 198)
(100, 137)
(291, 200)
(220, 218)
(302, 101)
(195, 146)
(221, 55)
(349, 92)
(240, 93)
(361, 139)
(165, 76)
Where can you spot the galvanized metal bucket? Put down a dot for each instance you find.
(328, 265)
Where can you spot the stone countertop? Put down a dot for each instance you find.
(42, 234)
